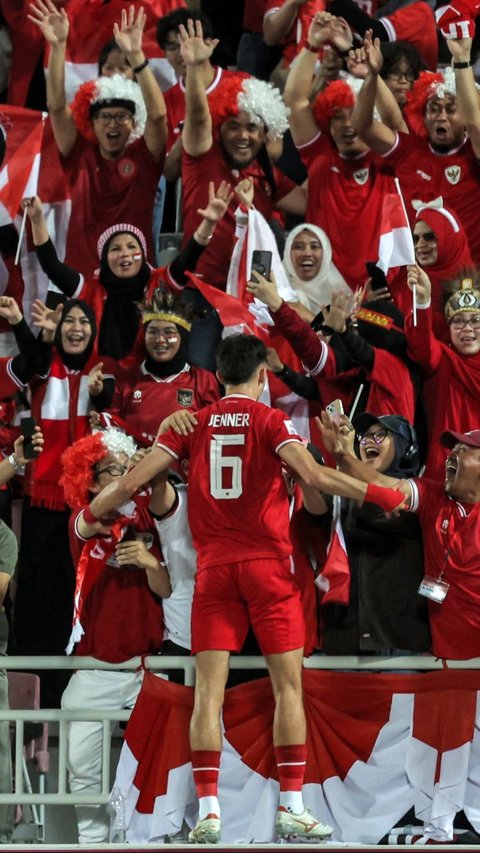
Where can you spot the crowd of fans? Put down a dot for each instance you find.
(365, 103)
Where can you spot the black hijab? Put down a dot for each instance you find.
(76, 361)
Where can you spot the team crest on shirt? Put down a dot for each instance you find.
(126, 167)
(137, 396)
(185, 397)
(453, 174)
(361, 177)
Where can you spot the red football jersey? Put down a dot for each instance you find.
(416, 24)
(105, 192)
(345, 198)
(451, 543)
(144, 400)
(299, 31)
(425, 174)
(212, 166)
(237, 497)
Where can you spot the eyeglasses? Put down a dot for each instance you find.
(115, 470)
(461, 322)
(377, 437)
(429, 237)
(168, 334)
(119, 118)
(398, 76)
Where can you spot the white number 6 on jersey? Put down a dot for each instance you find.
(220, 463)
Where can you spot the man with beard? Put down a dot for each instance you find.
(436, 158)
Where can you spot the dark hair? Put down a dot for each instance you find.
(394, 52)
(238, 357)
(105, 52)
(3, 144)
(181, 16)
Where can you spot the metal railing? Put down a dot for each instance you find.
(154, 663)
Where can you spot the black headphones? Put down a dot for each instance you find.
(411, 457)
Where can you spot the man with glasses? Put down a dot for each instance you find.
(111, 138)
(121, 580)
(439, 156)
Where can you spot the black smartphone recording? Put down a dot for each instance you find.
(261, 263)
(28, 431)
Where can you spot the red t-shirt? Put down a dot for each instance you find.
(299, 30)
(121, 615)
(105, 192)
(237, 501)
(416, 24)
(212, 166)
(253, 15)
(425, 174)
(345, 198)
(144, 400)
(451, 543)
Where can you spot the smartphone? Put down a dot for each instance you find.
(377, 276)
(28, 430)
(335, 409)
(261, 263)
(130, 534)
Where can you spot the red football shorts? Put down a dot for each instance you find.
(261, 593)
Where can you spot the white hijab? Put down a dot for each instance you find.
(317, 292)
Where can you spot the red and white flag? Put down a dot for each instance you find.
(334, 579)
(232, 311)
(395, 246)
(378, 745)
(19, 175)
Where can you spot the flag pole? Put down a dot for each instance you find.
(355, 402)
(414, 294)
(20, 235)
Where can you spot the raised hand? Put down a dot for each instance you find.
(418, 279)
(44, 318)
(337, 436)
(51, 20)
(218, 201)
(194, 49)
(273, 360)
(320, 30)
(373, 53)
(357, 64)
(33, 206)
(9, 310)
(265, 290)
(182, 422)
(338, 312)
(245, 191)
(96, 380)
(341, 34)
(460, 49)
(130, 33)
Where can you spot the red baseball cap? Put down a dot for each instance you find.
(449, 439)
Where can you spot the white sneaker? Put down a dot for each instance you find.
(305, 825)
(206, 831)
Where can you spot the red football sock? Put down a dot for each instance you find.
(206, 767)
(291, 761)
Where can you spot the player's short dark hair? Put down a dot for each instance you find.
(238, 357)
(395, 52)
(181, 16)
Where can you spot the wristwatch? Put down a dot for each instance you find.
(17, 466)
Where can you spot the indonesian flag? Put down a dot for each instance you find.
(91, 26)
(31, 160)
(19, 176)
(334, 580)
(230, 309)
(395, 247)
(378, 745)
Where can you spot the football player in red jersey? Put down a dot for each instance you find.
(238, 515)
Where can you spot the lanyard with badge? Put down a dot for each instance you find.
(435, 588)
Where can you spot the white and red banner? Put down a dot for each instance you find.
(378, 744)
(31, 164)
(395, 246)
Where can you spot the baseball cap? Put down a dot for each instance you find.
(449, 438)
(394, 423)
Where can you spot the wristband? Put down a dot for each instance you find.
(387, 499)
(88, 516)
(462, 64)
(140, 67)
(306, 44)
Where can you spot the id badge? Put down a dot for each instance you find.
(433, 589)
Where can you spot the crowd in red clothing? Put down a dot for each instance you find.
(367, 105)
